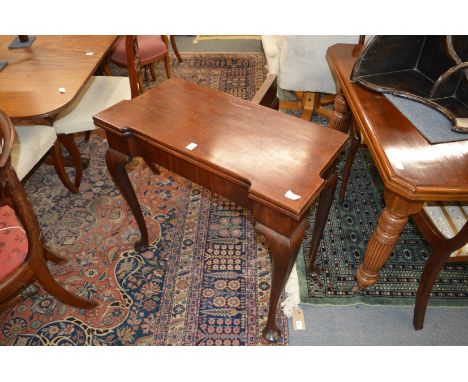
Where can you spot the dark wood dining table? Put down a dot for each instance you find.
(268, 162)
(412, 170)
(30, 83)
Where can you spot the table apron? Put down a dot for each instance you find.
(222, 184)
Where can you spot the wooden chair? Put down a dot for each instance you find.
(152, 50)
(445, 227)
(309, 103)
(22, 254)
(30, 145)
(100, 93)
(312, 102)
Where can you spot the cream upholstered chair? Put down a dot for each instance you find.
(445, 227)
(99, 93)
(30, 145)
(301, 66)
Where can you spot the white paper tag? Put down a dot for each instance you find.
(291, 195)
(191, 146)
(89, 53)
(298, 320)
(62, 90)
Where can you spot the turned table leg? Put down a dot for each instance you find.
(341, 114)
(283, 255)
(391, 223)
(116, 162)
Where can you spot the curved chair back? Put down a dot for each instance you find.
(25, 268)
(13, 194)
(7, 137)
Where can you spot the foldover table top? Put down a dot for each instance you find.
(407, 162)
(269, 152)
(30, 83)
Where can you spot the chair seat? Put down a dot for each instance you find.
(150, 48)
(13, 242)
(30, 145)
(449, 218)
(100, 93)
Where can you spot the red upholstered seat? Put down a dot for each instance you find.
(150, 48)
(13, 242)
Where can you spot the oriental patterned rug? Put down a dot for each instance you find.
(239, 74)
(205, 279)
(346, 235)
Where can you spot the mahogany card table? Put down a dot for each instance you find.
(270, 163)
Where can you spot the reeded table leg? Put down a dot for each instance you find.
(116, 162)
(390, 225)
(341, 114)
(283, 255)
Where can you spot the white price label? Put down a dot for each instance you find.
(291, 195)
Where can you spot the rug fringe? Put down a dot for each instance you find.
(225, 37)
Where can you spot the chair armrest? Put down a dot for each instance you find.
(267, 95)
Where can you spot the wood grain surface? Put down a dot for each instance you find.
(408, 164)
(29, 85)
(270, 152)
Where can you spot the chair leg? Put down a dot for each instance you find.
(42, 274)
(106, 69)
(152, 69)
(176, 51)
(431, 271)
(168, 64)
(307, 103)
(353, 148)
(27, 292)
(321, 102)
(87, 136)
(11, 290)
(56, 259)
(69, 143)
